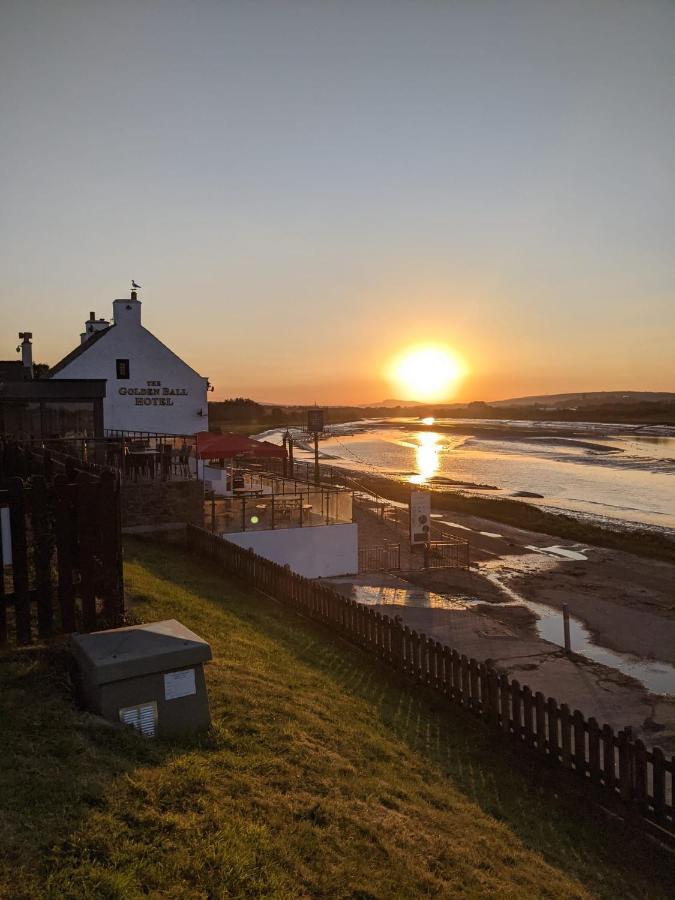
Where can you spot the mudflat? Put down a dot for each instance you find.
(625, 602)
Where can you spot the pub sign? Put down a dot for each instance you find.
(314, 421)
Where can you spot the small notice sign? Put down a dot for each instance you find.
(179, 684)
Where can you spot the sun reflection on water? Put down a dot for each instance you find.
(427, 456)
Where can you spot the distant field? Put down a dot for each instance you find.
(323, 776)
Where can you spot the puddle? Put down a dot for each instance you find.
(559, 552)
(394, 596)
(658, 677)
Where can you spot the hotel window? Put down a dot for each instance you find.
(122, 368)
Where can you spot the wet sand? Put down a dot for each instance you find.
(626, 602)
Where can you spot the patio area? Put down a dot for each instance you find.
(262, 501)
(135, 456)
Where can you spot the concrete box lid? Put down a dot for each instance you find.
(120, 653)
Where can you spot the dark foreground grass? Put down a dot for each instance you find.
(323, 776)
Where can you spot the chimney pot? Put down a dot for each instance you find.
(92, 316)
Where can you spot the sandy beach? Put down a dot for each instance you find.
(506, 609)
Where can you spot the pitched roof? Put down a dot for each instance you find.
(78, 351)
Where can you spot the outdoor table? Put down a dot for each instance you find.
(144, 457)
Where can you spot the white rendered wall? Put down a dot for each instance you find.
(162, 393)
(316, 552)
(215, 479)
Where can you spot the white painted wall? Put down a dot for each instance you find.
(215, 479)
(316, 552)
(149, 406)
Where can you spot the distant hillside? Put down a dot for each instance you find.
(589, 398)
(632, 407)
(391, 404)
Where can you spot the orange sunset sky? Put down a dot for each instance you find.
(304, 190)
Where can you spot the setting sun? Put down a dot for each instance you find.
(426, 373)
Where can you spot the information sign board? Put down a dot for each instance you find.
(420, 517)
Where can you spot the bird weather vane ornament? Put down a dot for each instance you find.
(134, 285)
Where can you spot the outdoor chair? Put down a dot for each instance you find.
(165, 452)
(184, 460)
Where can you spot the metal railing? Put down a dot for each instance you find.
(385, 558)
(264, 510)
(133, 455)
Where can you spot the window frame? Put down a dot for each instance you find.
(122, 365)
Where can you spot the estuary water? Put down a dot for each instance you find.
(619, 474)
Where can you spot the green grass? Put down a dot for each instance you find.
(323, 776)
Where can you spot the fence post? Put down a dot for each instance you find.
(65, 542)
(505, 703)
(492, 698)
(466, 689)
(3, 601)
(111, 548)
(455, 693)
(566, 628)
(659, 784)
(43, 546)
(17, 517)
(516, 710)
(540, 719)
(625, 767)
(566, 735)
(527, 715)
(594, 750)
(640, 776)
(608, 762)
(553, 741)
(579, 727)
(87, 529)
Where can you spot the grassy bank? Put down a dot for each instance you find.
(322, 776)
(532, 518)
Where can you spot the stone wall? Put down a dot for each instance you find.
(158, 504)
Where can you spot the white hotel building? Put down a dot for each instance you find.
(149, 388)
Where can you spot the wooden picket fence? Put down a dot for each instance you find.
(618, 771)
(61, 525)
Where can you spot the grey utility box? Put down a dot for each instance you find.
(149, 676)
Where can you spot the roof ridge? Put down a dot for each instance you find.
(78, 351)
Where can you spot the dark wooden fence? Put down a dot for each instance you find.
(617, 770)
(61, 525)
